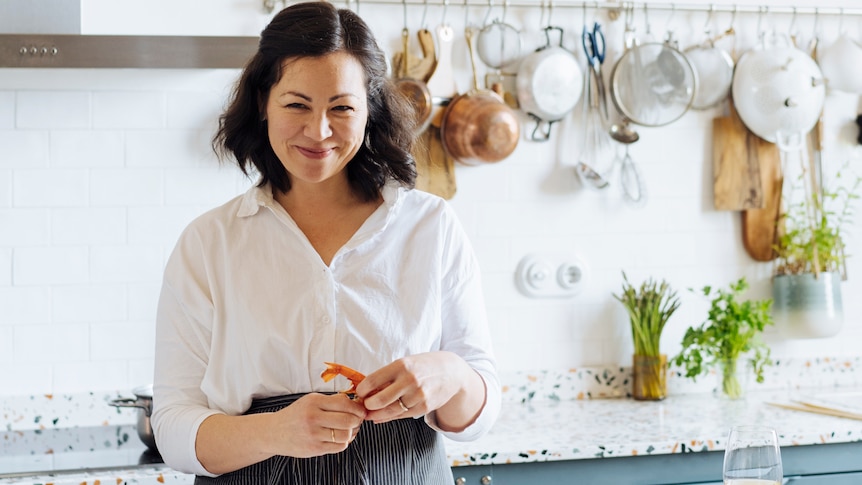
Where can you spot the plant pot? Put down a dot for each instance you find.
(805, 307)
(732, 377)
(649, 377)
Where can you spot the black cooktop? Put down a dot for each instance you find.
(70, 450)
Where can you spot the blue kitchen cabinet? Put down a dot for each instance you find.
(829, 464)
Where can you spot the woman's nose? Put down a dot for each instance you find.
(318, 127)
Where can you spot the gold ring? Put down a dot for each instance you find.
(332, 434)
(403, 407)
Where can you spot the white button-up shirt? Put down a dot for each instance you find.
(248, 309)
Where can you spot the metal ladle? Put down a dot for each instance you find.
(623, 133)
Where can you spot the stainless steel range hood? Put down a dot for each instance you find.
(47, 34)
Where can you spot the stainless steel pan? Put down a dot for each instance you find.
(143, 401)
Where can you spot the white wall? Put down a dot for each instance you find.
(101, 169)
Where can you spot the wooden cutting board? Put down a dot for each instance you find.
(760, 227)
(735, 166)
(435, 171)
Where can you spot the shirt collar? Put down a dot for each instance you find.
(261, 196)
(255, 198)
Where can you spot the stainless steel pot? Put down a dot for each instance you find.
(549, 83)
(144, 402)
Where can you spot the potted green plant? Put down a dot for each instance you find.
(731, 331)
(810, 261)
(649, 308)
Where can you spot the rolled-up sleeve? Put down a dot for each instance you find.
(183, 335)
(465, 327)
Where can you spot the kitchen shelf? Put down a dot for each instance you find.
(125, 51)
(270, 5)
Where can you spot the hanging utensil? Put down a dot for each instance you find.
(653, 84)
(630, 181)
(549, 85)
(595, 141)
(414, 90)
(736, 183)
(442, 81)
(478, 127)
(622, 131)
(498, 45)
(593, 43)
(713, 67)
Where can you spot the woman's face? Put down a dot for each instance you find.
(316, 115)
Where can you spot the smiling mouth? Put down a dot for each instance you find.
(317, 153)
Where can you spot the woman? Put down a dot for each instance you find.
(331, 257)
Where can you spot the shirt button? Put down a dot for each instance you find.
(326, 319)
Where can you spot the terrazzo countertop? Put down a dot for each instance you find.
(577, 414)
(605, 428)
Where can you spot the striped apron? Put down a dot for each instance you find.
(404, 451)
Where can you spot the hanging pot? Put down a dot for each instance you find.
(415, 90)
(549, 84)
(478, 127)
(143, 401)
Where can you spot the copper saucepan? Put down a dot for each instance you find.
(478, 126)
(415, 90)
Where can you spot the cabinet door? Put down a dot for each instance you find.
(829, 479)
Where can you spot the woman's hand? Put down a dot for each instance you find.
(419, 384)
(315, 424)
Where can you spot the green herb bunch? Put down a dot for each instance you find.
(649, 309)
(810, 241)
(731, 330)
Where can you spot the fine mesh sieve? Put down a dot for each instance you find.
(653, 84)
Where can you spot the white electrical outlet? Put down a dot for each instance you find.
(551, 275)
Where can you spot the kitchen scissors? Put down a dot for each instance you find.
(594, 48)
(594, 45)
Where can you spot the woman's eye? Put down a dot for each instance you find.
(295, 106)
(343, 108)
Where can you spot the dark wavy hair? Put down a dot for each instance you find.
(314, 29)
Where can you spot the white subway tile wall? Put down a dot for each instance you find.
(100, 170)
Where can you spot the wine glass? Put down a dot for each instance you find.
(752, 457)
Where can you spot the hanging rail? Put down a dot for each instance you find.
(269, 6)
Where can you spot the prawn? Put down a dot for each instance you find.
(333, 370)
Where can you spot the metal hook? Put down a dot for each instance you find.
(550, 11)
(792, 29)
(760, 11)
(487, 12)
(542, 15)
(841, 21)
(670, 19)
(445, 7)
(630, 17)
(425, 16)
(646, 20)
(816, 21)
(404, 4)
(730, 30)
(709, 19)
(505, 10)
(584, 13)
